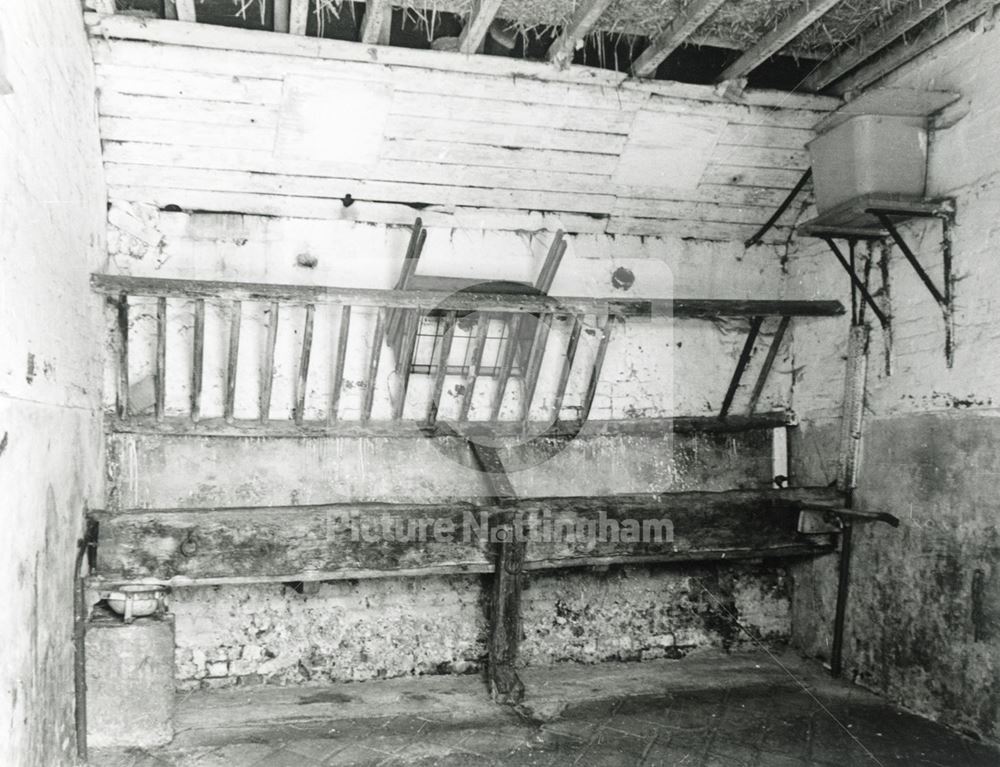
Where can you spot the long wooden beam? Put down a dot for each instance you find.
(949, 21)
(680, 308)
(586, 16)
(474, 33)
(679, 30)
(363, 539)
(377, 21)
(871, 42)
(790, 27)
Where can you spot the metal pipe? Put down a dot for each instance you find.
(759, 234)
(86, 546)
(843, 586)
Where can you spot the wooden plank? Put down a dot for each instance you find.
(282, 15)
(377, 22)
(161, 357)
(536, 353)
(257, 543)
(584, 18)
(181, 133)
(475, 360)
(197, 358)
(113, 285)
(478, 24)
(787, 30)
(298, 17)
(194, 110)
(598, 366)
(506, 366)
(391, 429)
(404, 361)
(185, 10)
(442, 368)
(681, 27)
(568, 358)
(949, 21)
(472, 155)
(304, 354)
(267, 365)
(343, 334)
(232, 359)
(871, 42)
(373, 362)
(121, 315)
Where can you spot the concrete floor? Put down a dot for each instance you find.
(706, 710)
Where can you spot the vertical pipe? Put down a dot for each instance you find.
(123, 384)
(267, 367)
(160, 379)
(343, 333)
(843, 584)
(376, 354)
(197, 358)
(303, 376)
(235, 319)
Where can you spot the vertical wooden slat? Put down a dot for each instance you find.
(506, 365)
(170, 10)
(301, 380)
(123, 379)
(475, 360)
(377, 22)
(235, 320)
(298, 17)
(197, 358)
(567, 368)
(185, 10)
(160, 380)
(405, 361)
(281, 15)
(376, 354)
(595, 373)
(442, 368)
(338, 366)
(267, 366)
(536, 353)
(765, 371)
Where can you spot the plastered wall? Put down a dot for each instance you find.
(52, 208)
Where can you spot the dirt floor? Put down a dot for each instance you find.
(706, 710)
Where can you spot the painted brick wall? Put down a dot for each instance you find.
(52, 207)
(924, 606)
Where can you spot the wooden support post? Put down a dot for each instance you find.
(506, 365)
(570, 356)
(536, 353)
(741, 365)
(765, 371)
(554, 257)
(474, 33)
(475, 360)
(282, 15)
(303, 377)
(790, 27)
(343, 332)
(442, 368)
(160, 380)
(123, 380)
(298, 17)
(681, 28)
(505, 617)
(405, 361)
(197, 358)
(267, 367)
(232, 363)
(377, 22)
(185, 10)
(595, 373)
(373, 361)
(586, 16)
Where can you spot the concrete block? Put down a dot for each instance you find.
(130, 682)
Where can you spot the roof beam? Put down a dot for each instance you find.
(185, 10)
(298, 17)
(483, 13)
(377, 22)
(681, 27)
(586, 16)
(871, 42)
(949, 21)
(790, 27)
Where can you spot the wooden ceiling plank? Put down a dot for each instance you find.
(787, 30)
(949, 21)
(561, 51)
(472, 37)
(871, 42)
(376, 23)
(185, 10)
(298, 17)
(666, 42)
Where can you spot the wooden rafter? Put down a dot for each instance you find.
(790, 27)
(483, 13)
(586, 16)
(298, 17)
(949, 21)
(666, 42)
(376, 22)
(185, 10)
(282, 13)
(871, 42)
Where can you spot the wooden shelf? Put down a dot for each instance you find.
(853, 220)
